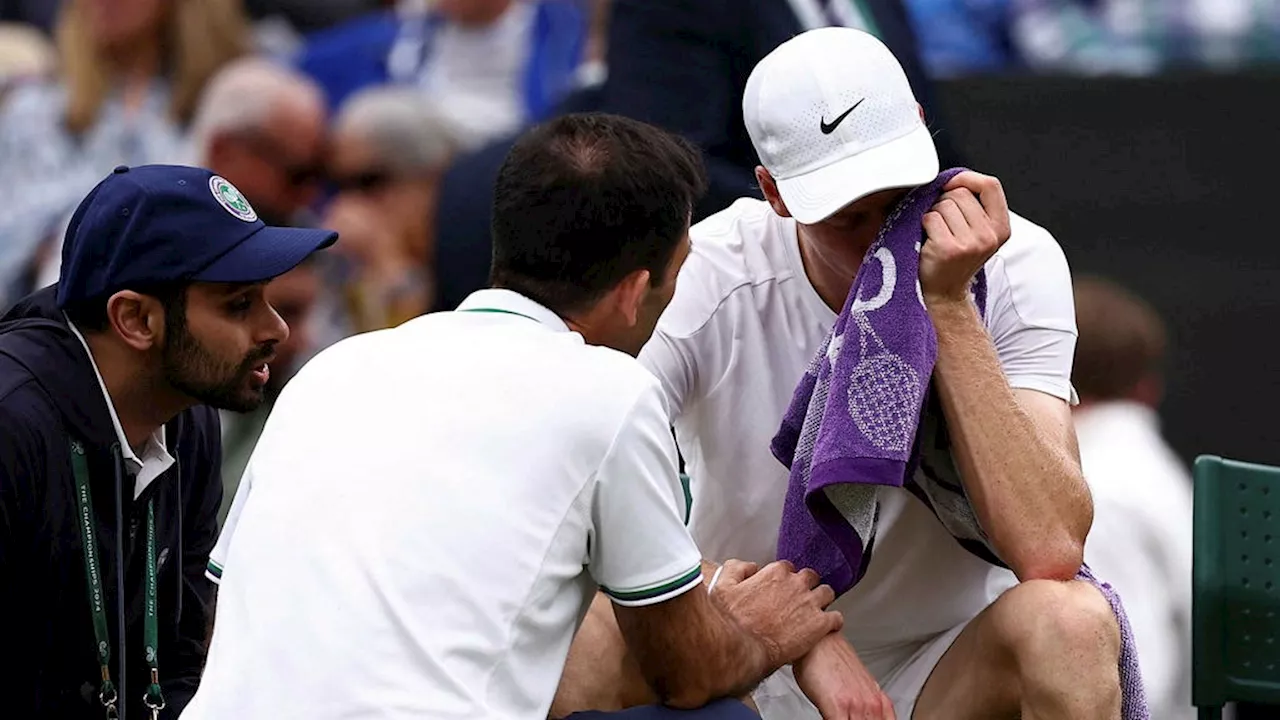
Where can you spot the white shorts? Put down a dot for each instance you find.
(901, 674)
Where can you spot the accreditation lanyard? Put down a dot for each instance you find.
(107, 695)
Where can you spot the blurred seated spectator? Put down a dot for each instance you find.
(971, 37)
(390, 148)
(26, 55)
(1168, 34)
(491, 65)
(680, 64)
(1094, 37)
(261, 126)
(1141, 536)
(131, 72)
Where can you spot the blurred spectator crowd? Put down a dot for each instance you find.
(386, 120)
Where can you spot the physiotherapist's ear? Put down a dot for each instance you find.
(136, 318)
(770, 190)
(920, 109)
(631, 294)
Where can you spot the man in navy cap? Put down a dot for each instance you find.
(109, 441)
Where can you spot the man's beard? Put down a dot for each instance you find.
(193, 370)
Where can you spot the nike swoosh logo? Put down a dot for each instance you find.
(830, 127)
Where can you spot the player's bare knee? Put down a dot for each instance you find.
(1062, 620)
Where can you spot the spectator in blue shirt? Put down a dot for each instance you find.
(493, 65)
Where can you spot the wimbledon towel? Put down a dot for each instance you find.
(852, 422)
(852, 426)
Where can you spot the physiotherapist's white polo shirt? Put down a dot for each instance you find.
(428, 513)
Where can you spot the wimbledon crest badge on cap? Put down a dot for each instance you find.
(230, 198)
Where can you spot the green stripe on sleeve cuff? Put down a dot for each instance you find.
(636, 596)
(214, 569)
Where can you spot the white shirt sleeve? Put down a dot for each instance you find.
(1031, 311)
(640, 551)
(667, 357)
(218, 556)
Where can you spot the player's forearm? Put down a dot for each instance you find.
(1028, 494)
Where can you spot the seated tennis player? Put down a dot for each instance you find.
(941, 625)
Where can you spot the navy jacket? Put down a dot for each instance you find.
(48, 395)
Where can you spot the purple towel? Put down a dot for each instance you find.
(1133, 696)
(852, 425)
(852, 422)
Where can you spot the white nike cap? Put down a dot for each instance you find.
(833, 119)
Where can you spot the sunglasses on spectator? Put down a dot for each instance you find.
(363, 182)
(297, 173)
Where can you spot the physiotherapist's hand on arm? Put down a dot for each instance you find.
(689, 648)
(699, 647)
(603, 675)
(777, 605)
(1015, 449)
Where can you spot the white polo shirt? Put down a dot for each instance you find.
(427, 516)
(744, 324)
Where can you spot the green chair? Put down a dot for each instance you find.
(1236, 587)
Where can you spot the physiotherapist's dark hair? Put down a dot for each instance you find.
(584, 200)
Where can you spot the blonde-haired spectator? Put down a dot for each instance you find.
(25, 53)
(130, 73)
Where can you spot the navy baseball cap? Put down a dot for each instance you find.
(157, 224)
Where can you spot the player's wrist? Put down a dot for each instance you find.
(948, 310)
(829, 646)
(947, 301)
